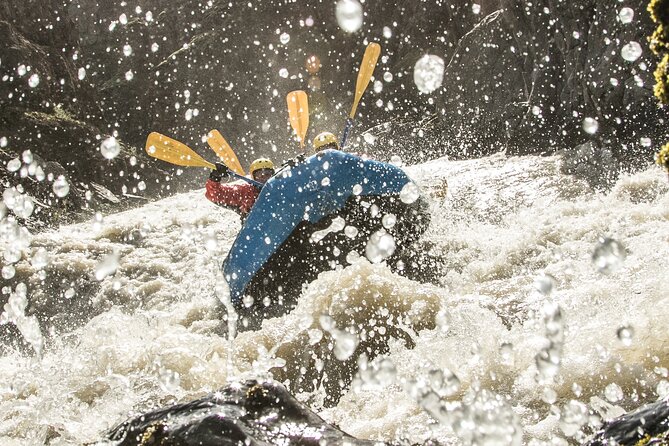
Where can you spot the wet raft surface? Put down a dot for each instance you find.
(308, 218)
(248, 413)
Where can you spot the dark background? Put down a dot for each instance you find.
(520, 77)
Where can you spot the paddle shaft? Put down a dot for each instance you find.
(364, 75)
(347, 128)
(257, 184)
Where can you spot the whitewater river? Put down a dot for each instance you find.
(527, 330)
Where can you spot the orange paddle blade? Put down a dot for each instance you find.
(167, 149)
(365, 73)
(298, 112)
(224, 151)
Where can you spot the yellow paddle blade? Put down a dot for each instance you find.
(298, 112)
(224, 151)
(167, 149)
(365, 73)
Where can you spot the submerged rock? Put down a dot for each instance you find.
(250, 413)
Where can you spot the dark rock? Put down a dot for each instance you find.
(648, 425)
(252, 413)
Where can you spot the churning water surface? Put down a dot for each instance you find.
(541, 311)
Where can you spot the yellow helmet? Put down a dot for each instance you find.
(323, 139)
(261, 163)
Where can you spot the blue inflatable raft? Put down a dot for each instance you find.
(274, 253)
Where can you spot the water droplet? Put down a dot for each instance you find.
(110, 148)
(590, 125)
(544, 284)
(154, 47)
(169, 380)
(27, 156)
(626, 15)
(284, 38)
(325, 182)
(345, 344)
(351, 231)
(14, 165)
(81, 74)
(23, 206)
(21, 70)
(107, 266)
(613, 393)
(574, 415)
(378, 86)
(265, 127)
(380, 246)
(476, 8)
(315, 336)
(61, 187)
(549, 396)
(631, 52)
(40, 259)
(127, 50)
(352, 257)
(548, 364)
(141, 185)
(409, 193)
(3, 141)
(357, 189)
(387, 76)
(349, 15)
(283, 73)
(389, 221)
(646, 142)
(396, 160)
(380, 375)
(369, 138)
(609, 255)
(33, 81)
(123, 19)
(387, 32)
(129, 75)
(12, 255)
(662, 388)
(428, 73)
(625, 334)
(8, 272)
(506, 354)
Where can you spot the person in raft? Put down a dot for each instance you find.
(238, 196)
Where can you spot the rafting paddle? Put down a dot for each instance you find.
(364, 75)
(167, 149)
(298, 112)
(219, 145)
